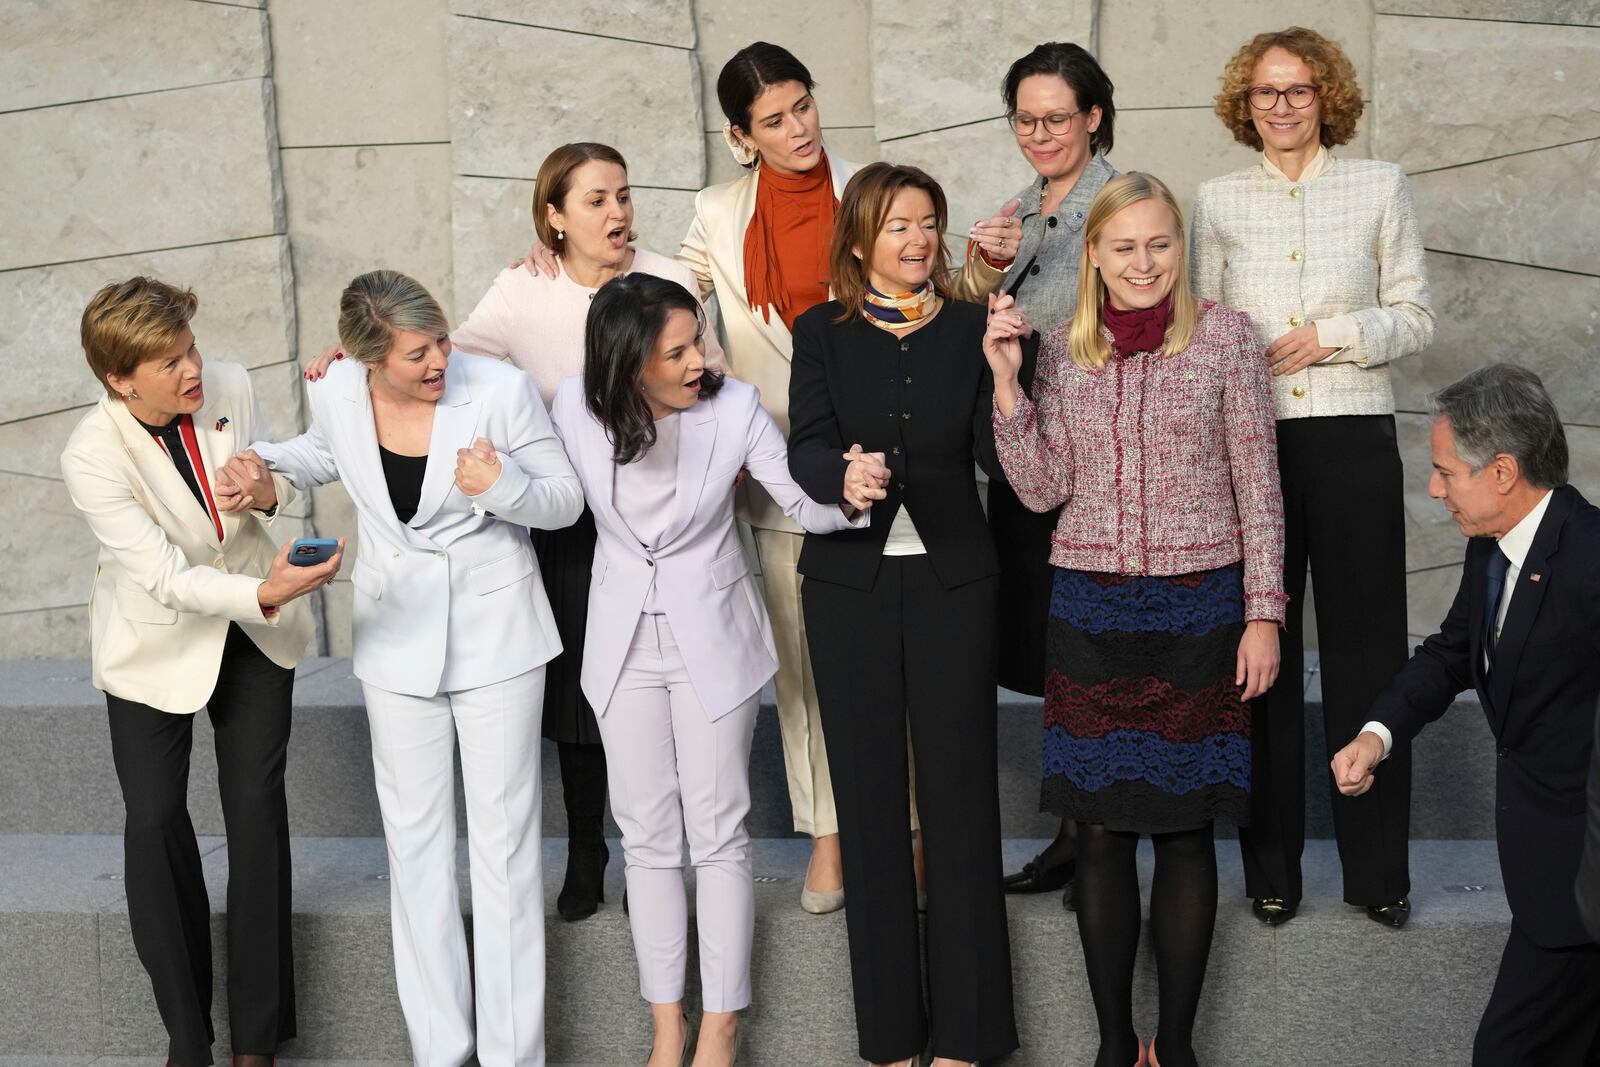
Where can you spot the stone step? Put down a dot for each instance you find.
(71, 986)
(56, 774)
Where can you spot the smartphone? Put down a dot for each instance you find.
(310, 551)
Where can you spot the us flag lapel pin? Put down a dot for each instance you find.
(224, 421)
(1534, 577)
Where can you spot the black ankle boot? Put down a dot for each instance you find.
(583, 788)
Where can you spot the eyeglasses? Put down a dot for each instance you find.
(1057, 123)
(1265, 97)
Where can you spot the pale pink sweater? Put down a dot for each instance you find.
(537, 322)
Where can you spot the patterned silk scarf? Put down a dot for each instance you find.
(898, 311)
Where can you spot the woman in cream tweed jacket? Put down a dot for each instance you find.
(1325, 256)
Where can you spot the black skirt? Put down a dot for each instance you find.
(566, 558)
(1022, 540)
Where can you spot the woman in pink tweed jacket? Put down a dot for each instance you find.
(1152, 426)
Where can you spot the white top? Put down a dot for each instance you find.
(646, 489)
(538, 322)
(1341, 249)
(1514, 545)
(903, 539)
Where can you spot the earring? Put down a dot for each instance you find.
(561, 235)
(131, 394)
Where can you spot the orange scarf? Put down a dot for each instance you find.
(786, 244)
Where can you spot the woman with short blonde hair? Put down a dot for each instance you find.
(1325, 255)
(1150, 426)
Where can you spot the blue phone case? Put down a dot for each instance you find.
(309, 551)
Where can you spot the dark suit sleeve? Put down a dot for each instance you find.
(1440, 670)
(1588, 887)
(982, 417)
(816, 445)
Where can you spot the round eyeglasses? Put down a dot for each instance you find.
(1265, 97)
(1056, 123)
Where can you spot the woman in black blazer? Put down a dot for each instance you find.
(889, 401)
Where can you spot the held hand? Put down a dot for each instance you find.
(1257, 666)
(1354, 764)
(477, 468)
(865, 478)
(540, 260)
(1297, 350)
(999, 236)
(324, 359)
(1002, 340)
(285, 581)
(245, 482)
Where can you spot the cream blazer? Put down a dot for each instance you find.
(453, 599)
(165, 589)
(758, 350)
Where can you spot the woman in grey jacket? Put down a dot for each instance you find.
(1325, 256)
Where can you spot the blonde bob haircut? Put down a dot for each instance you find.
(1331, 71)
(1086, 341)
(377, 305)
(863, 210)
(126, 323)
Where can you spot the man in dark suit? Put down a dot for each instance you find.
(1589, 871)
(1524, 631)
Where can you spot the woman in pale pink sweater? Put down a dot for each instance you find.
(583, 211)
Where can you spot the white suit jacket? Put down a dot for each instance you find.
(453, 599)
(758, 350)
(165, 588)
(702, 579)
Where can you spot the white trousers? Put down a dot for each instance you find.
(413, 739)
(676, 776)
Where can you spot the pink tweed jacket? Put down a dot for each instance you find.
(1165, 465)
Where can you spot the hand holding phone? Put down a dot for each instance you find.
(310, 551)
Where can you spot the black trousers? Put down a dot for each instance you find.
(1343, 513)
(910, 648)
(168, 910)
(1545, 1008)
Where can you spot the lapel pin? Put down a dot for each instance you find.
(1534, 577)
(222, 422)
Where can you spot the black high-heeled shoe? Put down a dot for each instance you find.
(583, 890)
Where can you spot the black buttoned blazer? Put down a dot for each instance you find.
(924, 401)
(1540, 701)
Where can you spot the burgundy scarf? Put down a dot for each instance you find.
(1138, 330)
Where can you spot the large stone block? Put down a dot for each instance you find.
(938, 63)
(517, 92)
(353, 210)
(392, 87)
(135, 173)
(1487, 312)
(49, 633)
(1569, 12)
(833, 41)
(1429, 595)
(62, 51)
(1550, 95)
(246, 316)
(977, 165)
(1540, 208)
(39, 524)
(646, 21)
(1190, 43)
(492, 224)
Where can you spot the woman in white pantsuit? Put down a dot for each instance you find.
(449, 460)
(678, 643)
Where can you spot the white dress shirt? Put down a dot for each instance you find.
(1515, 545)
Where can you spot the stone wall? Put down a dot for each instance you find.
(266, 151)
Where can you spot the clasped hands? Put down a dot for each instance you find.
(245, 482)
(866, 478)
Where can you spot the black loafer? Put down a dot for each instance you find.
(1274, 911)
(1394, 915)
(1035, 877)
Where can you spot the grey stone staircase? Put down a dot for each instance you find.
(1329, 985)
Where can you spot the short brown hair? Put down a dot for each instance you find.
(129, 322)
(862, 212)
(1332, 70)
(381, 303)
(555, 182)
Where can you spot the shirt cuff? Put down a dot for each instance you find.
(1337, 331)
(1383, 735)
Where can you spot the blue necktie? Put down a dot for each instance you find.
(1491, 603)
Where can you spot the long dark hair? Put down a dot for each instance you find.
(626, 318)
(1081, 71)
(752, 70)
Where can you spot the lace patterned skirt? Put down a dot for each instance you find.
(1144, 729)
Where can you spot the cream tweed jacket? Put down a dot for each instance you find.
(1340, 248)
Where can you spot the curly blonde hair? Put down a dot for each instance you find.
(1334, 74)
